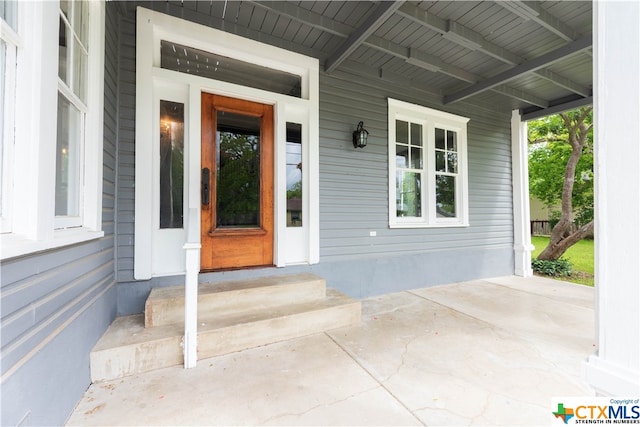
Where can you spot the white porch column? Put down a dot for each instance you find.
(520, 178)
(190, 343)
(615, 368)
(190, 339)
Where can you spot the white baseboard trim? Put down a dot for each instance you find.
(609, 379)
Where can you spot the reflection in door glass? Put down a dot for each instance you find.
(171, 164)
(294, 175)
(238, 170)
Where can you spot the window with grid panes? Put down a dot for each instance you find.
(427, 167)
(51, 150)
(73, 58)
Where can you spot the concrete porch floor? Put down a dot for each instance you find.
(484, 352)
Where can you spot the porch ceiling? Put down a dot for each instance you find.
(530, 55)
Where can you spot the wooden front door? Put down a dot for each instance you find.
(236, 183)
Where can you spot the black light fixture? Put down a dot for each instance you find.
(360, 136)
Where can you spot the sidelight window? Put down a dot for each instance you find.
(294, 175)
(171, 164)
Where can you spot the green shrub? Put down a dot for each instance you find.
(554, 218)
(558, 268)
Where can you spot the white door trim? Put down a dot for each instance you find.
(153, 27)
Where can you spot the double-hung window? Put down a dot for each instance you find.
(73, 57)
(427, 167)
(51, 87)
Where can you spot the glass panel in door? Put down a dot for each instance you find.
(237, 170)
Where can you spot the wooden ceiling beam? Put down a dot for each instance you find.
(451, 30)
(526, 67)
(555, 107)
(464, 36)
(530, 10)
(378, 17)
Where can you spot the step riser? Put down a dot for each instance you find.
(245, 336)
(138, 358)
(167, 311)
(135, 359)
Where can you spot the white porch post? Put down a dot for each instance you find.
(520, 178)
(615, 368)
(191, 305)
(193, 245)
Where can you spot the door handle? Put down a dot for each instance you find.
(205, 186)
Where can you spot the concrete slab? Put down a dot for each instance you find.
(457, 356)
(491, 352)
(554, 289)
(543, 312)
(304, 381)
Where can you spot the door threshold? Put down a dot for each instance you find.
(252, 267)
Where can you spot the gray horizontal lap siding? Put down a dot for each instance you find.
(34, 306)
(354, 182)
(55, 305)
(126, 149)
(353, 193)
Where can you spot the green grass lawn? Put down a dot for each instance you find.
(579, 255)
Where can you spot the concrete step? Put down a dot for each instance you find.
(165, 306)
(128, 348)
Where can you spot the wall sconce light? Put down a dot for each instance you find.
(360, 136)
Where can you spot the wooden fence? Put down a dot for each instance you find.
(540, 228)
(543, 228)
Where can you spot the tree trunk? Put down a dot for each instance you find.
(562, 238)
(557, 249)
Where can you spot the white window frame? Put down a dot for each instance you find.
(68, 221)
(13, 42)
(430, 119)
(36, 97)
(77, 193)
(292, 245)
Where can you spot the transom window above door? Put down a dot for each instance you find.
(189, 60)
